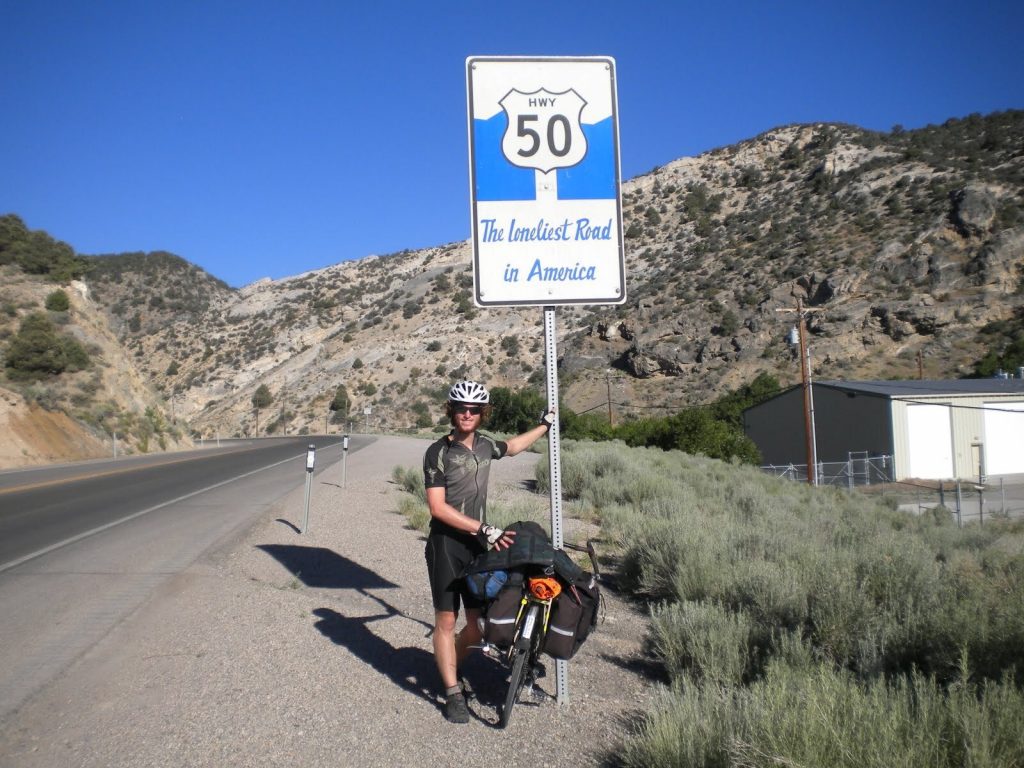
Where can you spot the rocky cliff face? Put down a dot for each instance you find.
(904, 245)
(76, 414)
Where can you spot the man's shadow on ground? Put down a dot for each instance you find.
(410, 668)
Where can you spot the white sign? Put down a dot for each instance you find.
(545, 181)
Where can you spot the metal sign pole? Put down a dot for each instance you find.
(555, 473)
(310, 461)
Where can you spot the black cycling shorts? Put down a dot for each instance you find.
(447, 556)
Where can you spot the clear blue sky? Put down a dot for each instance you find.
(263, 139)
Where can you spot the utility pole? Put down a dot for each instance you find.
(812, 460)
(810, 441)
(608, 381)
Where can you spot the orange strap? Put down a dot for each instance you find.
(544, 587)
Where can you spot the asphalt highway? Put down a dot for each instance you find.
(83, 545)
(44, 508)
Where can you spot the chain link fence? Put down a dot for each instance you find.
(968, 501)
(859, 469)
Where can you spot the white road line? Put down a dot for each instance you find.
(94, 531)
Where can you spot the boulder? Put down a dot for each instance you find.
(607, 331)
(892, 324)
(974, 209)
(996, 262)
(666, 359)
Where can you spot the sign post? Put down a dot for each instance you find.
(546, 202)
(310, 463)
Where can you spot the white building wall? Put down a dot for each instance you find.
(1004, 437)
(967, 423)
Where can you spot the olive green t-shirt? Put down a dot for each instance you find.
(463, 473)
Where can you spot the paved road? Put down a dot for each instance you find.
(45, 507)
(84, 545)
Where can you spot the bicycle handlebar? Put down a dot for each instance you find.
(589, 549)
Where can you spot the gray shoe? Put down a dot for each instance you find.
(455, 709)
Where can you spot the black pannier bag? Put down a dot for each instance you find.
(500, 615)
(573, 616)
(573, 612)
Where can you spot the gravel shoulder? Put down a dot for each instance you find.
(284, 649)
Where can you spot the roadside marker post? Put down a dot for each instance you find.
(546, 203)
(310, 462)
(344, 461)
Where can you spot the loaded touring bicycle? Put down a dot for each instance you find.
(539, 603)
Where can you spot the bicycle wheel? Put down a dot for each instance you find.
(515, 684)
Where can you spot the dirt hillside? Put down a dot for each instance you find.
(35, 436)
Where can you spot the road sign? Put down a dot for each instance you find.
(545, 181)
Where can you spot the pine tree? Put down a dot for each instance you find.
(261, 399)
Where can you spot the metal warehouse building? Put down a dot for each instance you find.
(931, 429)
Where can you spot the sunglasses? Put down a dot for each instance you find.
(474, 410)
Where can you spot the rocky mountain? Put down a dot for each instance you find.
(67, 390)
(908, 246)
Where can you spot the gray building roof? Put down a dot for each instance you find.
(921, 388)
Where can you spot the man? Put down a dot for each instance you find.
(455, 472)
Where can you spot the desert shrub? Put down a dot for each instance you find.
(503, 514)
(415, 512)
(704, 641)
(58, 301)
(823, 716)
(869, 589)
(410, 479)
(37, 350)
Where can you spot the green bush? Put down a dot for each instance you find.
(415, 512)
(262, 397)
(585, 426)
(38, 351)
(58, 301)
(695, 431)
(820, 716)
(1006, 341)
(515, 412)
(702, 640)
(715, 430)
(36, 253)
(410, 479)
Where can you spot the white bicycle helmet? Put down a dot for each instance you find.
(468, 392)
